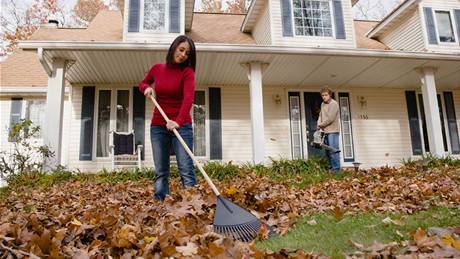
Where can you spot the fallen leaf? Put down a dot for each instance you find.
(188, 250)
(312, 222)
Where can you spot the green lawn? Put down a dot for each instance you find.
(332, 237)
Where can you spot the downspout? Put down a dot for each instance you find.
(43, 62)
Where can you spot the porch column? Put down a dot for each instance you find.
(257, 111)
(430, 103)
(54, 111)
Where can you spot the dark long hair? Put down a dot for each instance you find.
(191, 60)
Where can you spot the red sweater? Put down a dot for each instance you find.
(174, 90)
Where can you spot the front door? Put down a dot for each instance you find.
(312, 103)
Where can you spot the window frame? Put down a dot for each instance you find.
(25, 102)
(452, 23)
(350, 121)
(206, 125)
(113, 116)
(314, 36)
(141, 19)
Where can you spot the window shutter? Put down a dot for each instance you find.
(134, 15)
(338, 19)
(457, 22)
(215, 123)
(87, 121)
(174, 16)
(414, 126)
(15, 113)
(139, 119)
(452, 123)
(430, 28)
(286, 12)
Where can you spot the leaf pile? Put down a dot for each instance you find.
(81, 219)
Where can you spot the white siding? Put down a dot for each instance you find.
(5, 108)
(262, 29)
(406, 35)
(276, 121)
(445, 5)
(303, 41)
(236, 124)
(383, 138)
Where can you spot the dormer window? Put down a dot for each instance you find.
(312, 18)
(154, 15)
(444, 26)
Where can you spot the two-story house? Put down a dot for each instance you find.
(257, 80)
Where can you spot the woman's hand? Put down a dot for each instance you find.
(170, 125)
(149, 92)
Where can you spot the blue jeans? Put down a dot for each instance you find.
(162, 139)
(332, 140)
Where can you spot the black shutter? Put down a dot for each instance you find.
(286, 13)
(457, 23)
(134, 15)
(452, 123)
(430, 28)
(215, 124)
(338, 19)
(87, 120)
(174, 16)
(15, 113)
(139, 119)
(414, 126)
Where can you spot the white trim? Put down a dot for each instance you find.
(332, 16)
(246, 18)
(26, 90)
(113, 116)
(390, 18)
(42, 60)
(452, 20)
(141, 19)
(232, 48)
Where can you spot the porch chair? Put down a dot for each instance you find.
(123, 150)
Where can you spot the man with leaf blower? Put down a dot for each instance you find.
(328, 123)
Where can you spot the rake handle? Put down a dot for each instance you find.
(187, 149)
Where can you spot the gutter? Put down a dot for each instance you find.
(26, 90)
(43, 62)
(249, 13)
(232, 48)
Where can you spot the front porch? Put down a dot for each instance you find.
(248, 93)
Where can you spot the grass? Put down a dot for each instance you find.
(332, 237)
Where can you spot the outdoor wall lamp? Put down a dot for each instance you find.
(362, 101)
(277, 98)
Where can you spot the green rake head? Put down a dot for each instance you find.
(233, 221)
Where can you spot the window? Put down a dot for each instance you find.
(114, 112)
(444, 24)
(35, 112)
(32, 109)
(154, 15)
(312, 18)
(199, 124)
(347, 135)
(296, 125)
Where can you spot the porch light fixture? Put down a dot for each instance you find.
(356, 166)
(277, 98)
(362, 101)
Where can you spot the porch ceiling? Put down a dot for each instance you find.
(221, 65)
